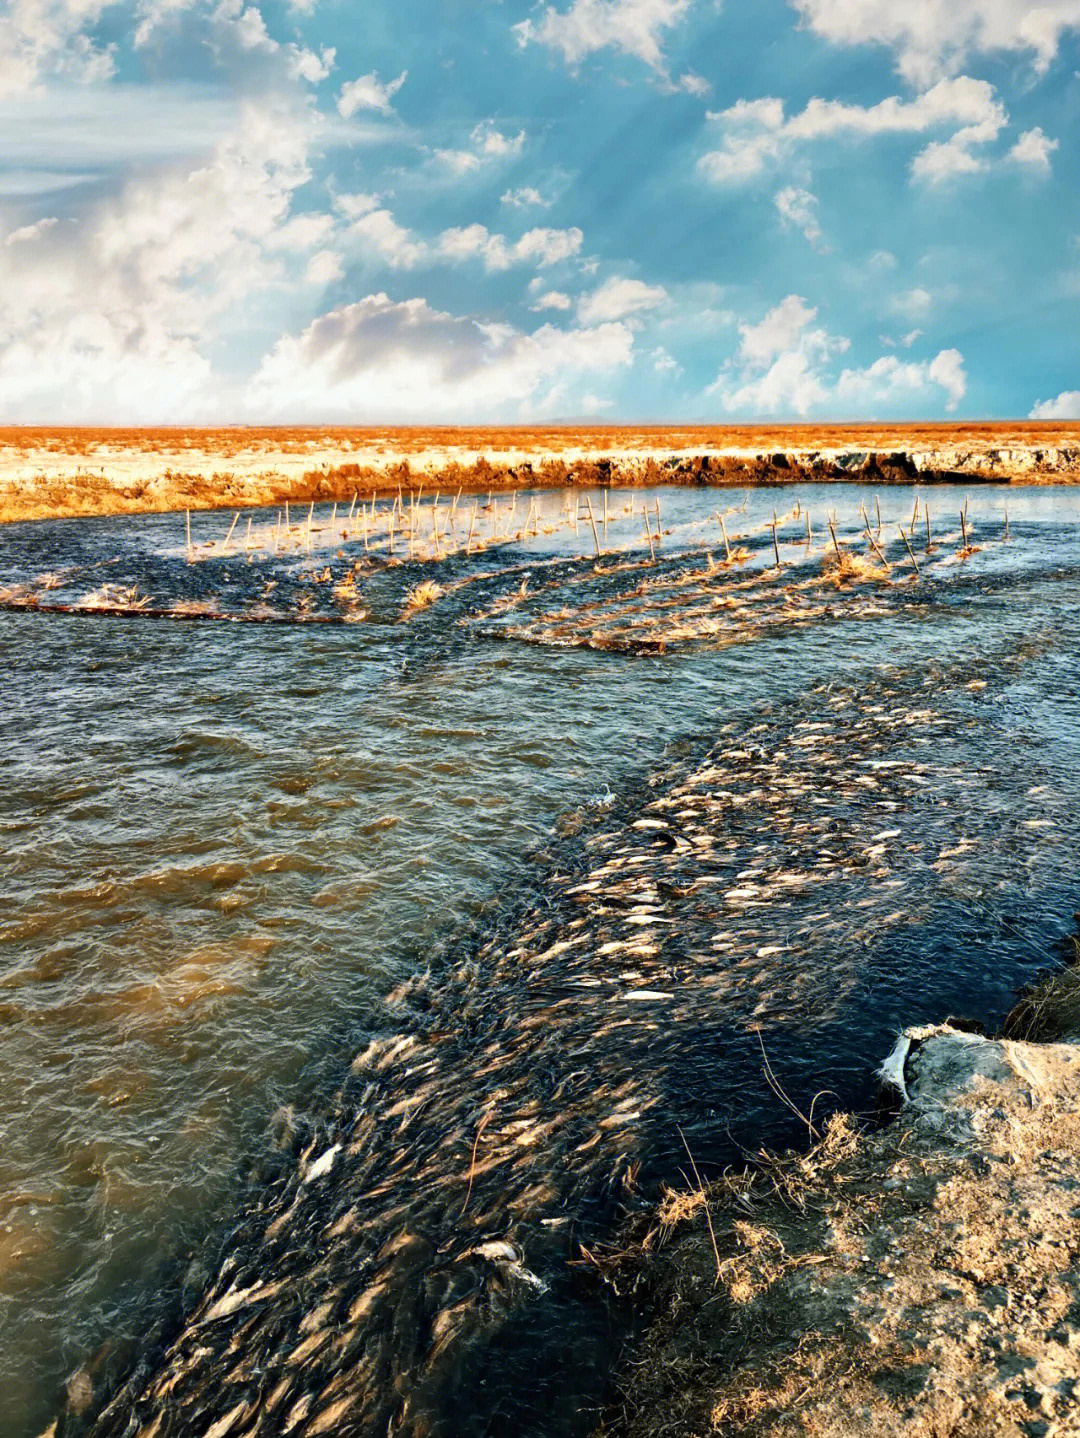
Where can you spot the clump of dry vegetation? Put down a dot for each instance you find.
(921, 1279)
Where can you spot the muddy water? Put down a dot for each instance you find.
(224, 844)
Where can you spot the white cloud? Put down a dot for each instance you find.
(618, 299)
(396, 361)
(664, 363)
(541, 246)
(383, 238)
(323, 268)
(552, 300)
(459, 161)
(634, 27)
(369, 93)
(524, 198)
(108, 316)
(41, 39)
(783, 366)
(799, 208)
(935, 37)
(26, 234)
(491, 142)
(1066, 406)
(356, 205)
(756, 133)
(912, 304)
(311, 66)
(1033, 150)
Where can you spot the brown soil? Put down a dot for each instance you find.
(923, 1280)
(50, 473)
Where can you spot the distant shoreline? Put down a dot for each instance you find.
(68, 472)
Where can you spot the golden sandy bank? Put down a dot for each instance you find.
(54, 473)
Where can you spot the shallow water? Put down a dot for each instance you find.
(223, 843)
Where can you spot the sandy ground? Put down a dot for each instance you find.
(922, 1281)
(50, 473)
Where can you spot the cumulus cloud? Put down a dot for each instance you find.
(394, 361)
(323, 268)
(1066, 406)
(542, 247)
(108, 315)
(634, 27)
(785, 365)
(524, 198)
(488, 143)
(382, 238)
(618, 299)
(1033, 150)
(26, 234)
(552, 300)
(799, 208)
(369, 93)
(41, 39)
(936, 37)
(755, 133)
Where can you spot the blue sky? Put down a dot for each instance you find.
(502, 211)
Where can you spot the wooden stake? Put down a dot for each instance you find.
(1006, 521)
(907, 546)
(877, 506)
(187, 517)
(592, 522)
(723, 531)
(286, 516)
(776, 547)
(648, 531)
(472, 526)
(808, 526)
(236, 521)
(914, 514)
(963, 526)
(836, 542)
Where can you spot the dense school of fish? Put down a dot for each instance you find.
(487, 1135)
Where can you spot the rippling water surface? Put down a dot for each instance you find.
(221, 844)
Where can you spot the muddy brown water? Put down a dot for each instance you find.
(594, 883)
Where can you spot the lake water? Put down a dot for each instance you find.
(222, 844)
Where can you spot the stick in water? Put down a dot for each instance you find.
(187, 518)
(236, 521)
(907, 546)
(723, 531)
(592, 522)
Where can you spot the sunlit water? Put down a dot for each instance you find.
(223, 843)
